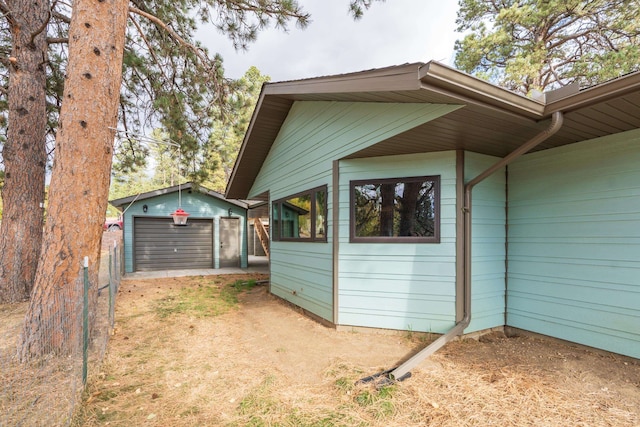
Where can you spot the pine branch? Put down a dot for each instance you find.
(57, 40)
(41, 28)
(175, 36)
(6, 12)
(61, 17)
(153, 55)
(4, 9)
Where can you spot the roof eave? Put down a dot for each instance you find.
(174, 189)
(399, 77)
(436, 76)
(407, 77)
(596, 94)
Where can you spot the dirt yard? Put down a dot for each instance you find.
(259, 362)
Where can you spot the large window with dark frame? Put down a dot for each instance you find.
(301, 217)
(397, 210)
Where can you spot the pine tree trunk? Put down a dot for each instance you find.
(24, 152)
(388, 194)
(80, 179)
(410, 197)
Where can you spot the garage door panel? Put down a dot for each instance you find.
(178, 254)
(160, 245)
(166, 242)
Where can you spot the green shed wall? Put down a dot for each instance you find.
(311, 138)
(574, 243)
(198, 205)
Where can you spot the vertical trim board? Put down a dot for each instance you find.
(488, 215)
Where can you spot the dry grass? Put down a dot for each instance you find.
(46, 390)
(37, 393)
(258, 362)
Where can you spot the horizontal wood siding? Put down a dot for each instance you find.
(301, 274)
(198, 205)
(311, 138)
(574, 243)
(488, 250)
(316, 133)
(399, 285)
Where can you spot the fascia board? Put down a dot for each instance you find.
(456, 83)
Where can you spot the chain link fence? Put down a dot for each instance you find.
(46, 391)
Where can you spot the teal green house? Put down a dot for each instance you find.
(214, 236)
(433, 201)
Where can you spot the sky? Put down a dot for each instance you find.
(390, 33)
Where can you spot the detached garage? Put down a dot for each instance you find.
(213, 237)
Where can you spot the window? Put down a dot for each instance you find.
(302, 216)
(396, 210)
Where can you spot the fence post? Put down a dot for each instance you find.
(85, 321)
(111, 285)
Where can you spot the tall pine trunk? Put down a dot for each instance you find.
(24, 152)
(410, 197)
(80, 179)
(387, 209)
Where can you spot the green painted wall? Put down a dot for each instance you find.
(488, 252)
(313, 135)
(574, 243)
(405, 286)
(198, 205)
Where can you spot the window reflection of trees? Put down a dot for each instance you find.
(301, 216)
(395, 208)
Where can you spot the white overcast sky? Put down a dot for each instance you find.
(390, 33)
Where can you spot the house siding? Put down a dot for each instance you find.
(197, 205)
(311, 138)
(399, 285)
(488, 251)
(574, 243)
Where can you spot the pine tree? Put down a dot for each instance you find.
(229, 129)
(530, 45)
(169, 80)
(87, 106)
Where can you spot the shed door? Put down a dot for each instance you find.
(229, 242)
(160, 245)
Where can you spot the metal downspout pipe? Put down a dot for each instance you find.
(404, 370)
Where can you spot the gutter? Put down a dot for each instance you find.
(441, 78)
(404, 370)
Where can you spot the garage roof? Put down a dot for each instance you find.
(189, 186)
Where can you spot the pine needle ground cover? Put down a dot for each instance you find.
(221, 351)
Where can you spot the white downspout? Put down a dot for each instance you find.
(404, 370)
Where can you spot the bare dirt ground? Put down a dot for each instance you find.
(263, 363)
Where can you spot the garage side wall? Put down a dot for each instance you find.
(198, 205)
(574, 243)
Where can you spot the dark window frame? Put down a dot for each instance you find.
(395, 239)
(276, 208)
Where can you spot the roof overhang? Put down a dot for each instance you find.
(188, 187)
(493, 121)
